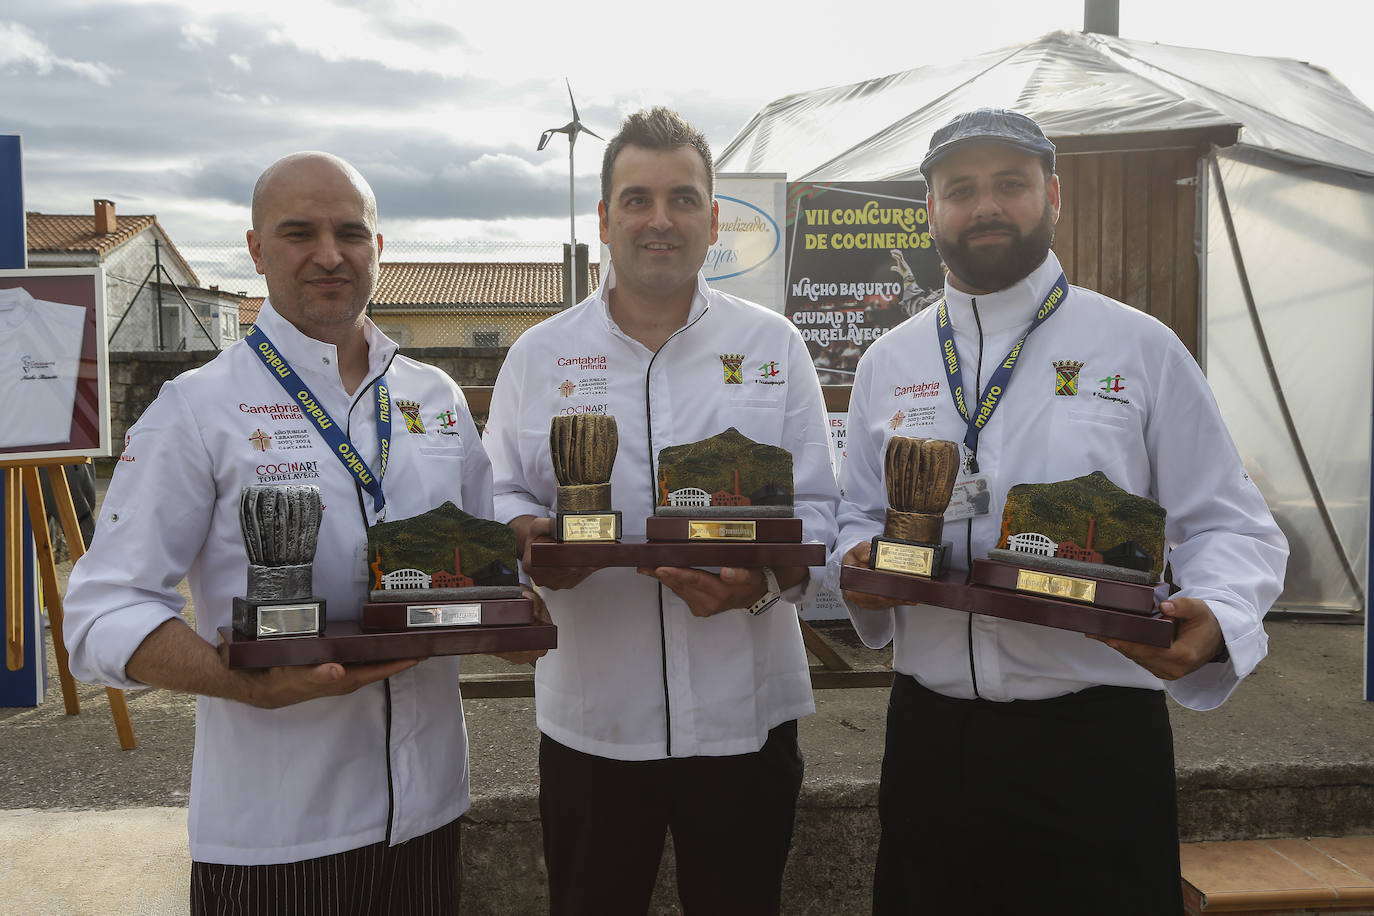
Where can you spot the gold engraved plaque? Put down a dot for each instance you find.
(1069, 588)
(443, 615)
(588, 527)
(911, 559)
(732, 530)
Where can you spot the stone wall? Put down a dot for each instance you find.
(136, 377)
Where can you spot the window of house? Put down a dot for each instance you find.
(486, 338)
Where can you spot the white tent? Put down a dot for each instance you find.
(1285, 238)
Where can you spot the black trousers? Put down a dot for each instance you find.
(420, 877)
(731, 820)
(1061, 806)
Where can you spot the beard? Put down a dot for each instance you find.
(993, 268)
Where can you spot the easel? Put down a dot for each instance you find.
(21, 480)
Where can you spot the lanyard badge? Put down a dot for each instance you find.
(333, 435)
(1001, 376)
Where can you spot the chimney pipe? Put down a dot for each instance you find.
(1102, 16)
(105, 221)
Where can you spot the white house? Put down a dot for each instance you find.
(129, 248)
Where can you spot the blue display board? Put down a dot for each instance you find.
(13, 242)
(26, 686)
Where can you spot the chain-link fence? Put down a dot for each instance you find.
(461, 293)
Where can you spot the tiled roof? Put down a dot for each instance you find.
(401, 283)
(75, 232)
(460, 286)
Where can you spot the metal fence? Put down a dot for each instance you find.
(430, 293)
(226, 264)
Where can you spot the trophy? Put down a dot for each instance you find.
(444, 584)
(1052, 544)
(724, 488)
(722, 501)
(583, 450)
(281, 526)
(920, 475)
(1047, 570)
(444, 568)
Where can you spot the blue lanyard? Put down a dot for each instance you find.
(339, 443)
(1001, 376)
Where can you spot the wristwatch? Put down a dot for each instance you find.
(770, 597)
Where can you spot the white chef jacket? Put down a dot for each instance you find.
(1142, 414)
(40, 359)
(636, 676)
(387, 762)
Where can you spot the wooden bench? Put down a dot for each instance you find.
(1273, 877)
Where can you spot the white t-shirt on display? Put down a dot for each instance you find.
(40, 356)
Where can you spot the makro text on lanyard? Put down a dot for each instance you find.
(339, 443)
(1001, 377)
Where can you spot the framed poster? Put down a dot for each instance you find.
(860, 262)
(54, 368)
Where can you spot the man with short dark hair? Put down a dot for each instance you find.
(314, 789)
(671, 701)
(1030, 769)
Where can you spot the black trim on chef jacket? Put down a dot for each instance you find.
(968, 525)
(653, 489)
(386, 683)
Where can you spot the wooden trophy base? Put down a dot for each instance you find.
(952, 591)
(724, 530)
(1107, 593)
(413, 616)
(345, 642)
(636, 551)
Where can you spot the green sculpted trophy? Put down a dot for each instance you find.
(1084, 540)
(444, 568)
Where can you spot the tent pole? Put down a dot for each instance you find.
(1274, 378)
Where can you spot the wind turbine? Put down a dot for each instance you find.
(572, 129)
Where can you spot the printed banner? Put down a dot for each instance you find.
(860, 262)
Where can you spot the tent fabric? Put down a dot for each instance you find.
(1304, 250)
(1292, 376)
(1075, 85)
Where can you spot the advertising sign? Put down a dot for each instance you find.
(860, 262)
(747, 258)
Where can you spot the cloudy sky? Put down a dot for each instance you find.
(174, 106)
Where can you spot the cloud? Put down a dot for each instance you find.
(21, 50)
(204, 101)
(195, 35)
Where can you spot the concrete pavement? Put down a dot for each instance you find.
(86, 828)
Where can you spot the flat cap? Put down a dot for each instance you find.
(988, 125)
